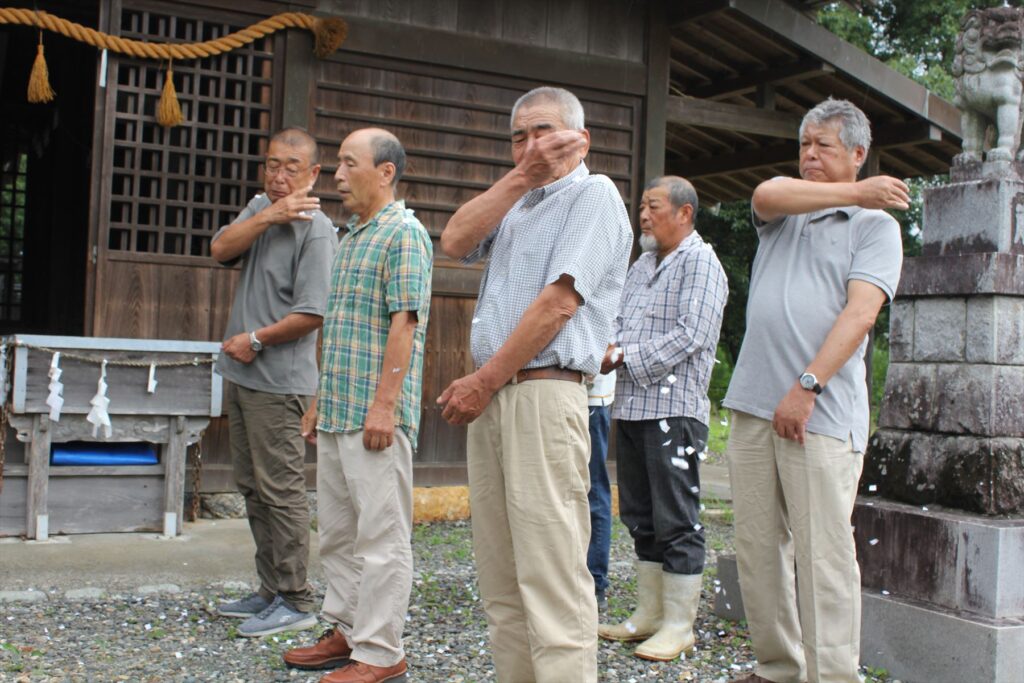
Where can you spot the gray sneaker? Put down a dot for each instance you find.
(244, 608)
(278, 616)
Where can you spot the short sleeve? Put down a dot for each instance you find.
(591, 240)
(408, 270)
(254, 206)
(878, 252)
(764, 227)
(313, 271)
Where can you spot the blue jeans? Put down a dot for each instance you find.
(600, 497)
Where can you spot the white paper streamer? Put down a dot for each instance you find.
(151, 385)
(98, 416)
(56, 397)
(3, 374)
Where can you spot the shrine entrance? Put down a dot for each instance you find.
(45, 176)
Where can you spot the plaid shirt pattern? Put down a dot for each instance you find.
(668, 326)
(383, 266)
(576, 226)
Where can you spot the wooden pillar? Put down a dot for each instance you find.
(298, 79)
(656, 99)
(37, 523)
(174, 473)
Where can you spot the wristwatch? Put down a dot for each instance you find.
(810, 383)
(254, 343)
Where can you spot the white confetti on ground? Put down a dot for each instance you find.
(664, 426)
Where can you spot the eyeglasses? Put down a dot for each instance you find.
(291, 172)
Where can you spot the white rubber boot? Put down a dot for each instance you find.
(646, 618)
(681, 596)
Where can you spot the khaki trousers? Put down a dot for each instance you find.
(528, 480)
(793, 505)
(268, 456)
(364, 504)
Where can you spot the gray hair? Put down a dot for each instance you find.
(680, 191)
(568, 104)
(386, 147)
(298, 138)
(854, 128)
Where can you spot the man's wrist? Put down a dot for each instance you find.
(254, 343)
(490, 378)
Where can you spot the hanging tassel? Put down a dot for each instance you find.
(330, 34)
(39, 90)
(168, 111)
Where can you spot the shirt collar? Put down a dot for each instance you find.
(354, 225)
(535, 195)
(691, 241)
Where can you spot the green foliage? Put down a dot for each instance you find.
(730, 232)
(721, 374)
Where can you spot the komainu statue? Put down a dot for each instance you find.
(988, 67)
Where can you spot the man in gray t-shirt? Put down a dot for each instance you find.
(286, 246)
(827, 260)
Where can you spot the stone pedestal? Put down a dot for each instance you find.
(942, 550)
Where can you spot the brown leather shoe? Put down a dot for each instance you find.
(361, 672)
(329, 652)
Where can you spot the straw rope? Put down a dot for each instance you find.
(330, 33)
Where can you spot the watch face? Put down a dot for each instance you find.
(807, 381)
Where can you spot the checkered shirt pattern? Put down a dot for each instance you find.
(383, 266)
(668, 327)
(575, 226)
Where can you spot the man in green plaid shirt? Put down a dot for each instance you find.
(367, 416)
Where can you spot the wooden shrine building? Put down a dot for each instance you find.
(106, 217)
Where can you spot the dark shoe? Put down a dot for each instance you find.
(329, 652)
(750, 678)
(244, 608)
(360, 672)
(277, 617)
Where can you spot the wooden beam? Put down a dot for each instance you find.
(748, 81)
(682, 12)
(914, 133)
(747, 159)
(522, 62)
(689, 111)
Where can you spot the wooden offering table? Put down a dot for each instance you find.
(158, 392)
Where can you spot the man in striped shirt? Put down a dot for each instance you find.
(666, 334)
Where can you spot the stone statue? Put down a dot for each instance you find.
(988, 67)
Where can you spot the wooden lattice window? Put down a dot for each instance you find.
(172, 188)
(13, 177)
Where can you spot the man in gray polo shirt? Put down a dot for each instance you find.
(827, 261)
(286, 246)
(558, 241)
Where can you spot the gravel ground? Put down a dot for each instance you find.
(174, 635)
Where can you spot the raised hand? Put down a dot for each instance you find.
(298, 206)
(883, 192)
(547, 155)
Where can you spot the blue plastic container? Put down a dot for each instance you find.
(103, 454)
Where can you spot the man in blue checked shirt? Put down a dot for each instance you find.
(665, 339)
(557, 241)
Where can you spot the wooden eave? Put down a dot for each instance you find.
(742, 73)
